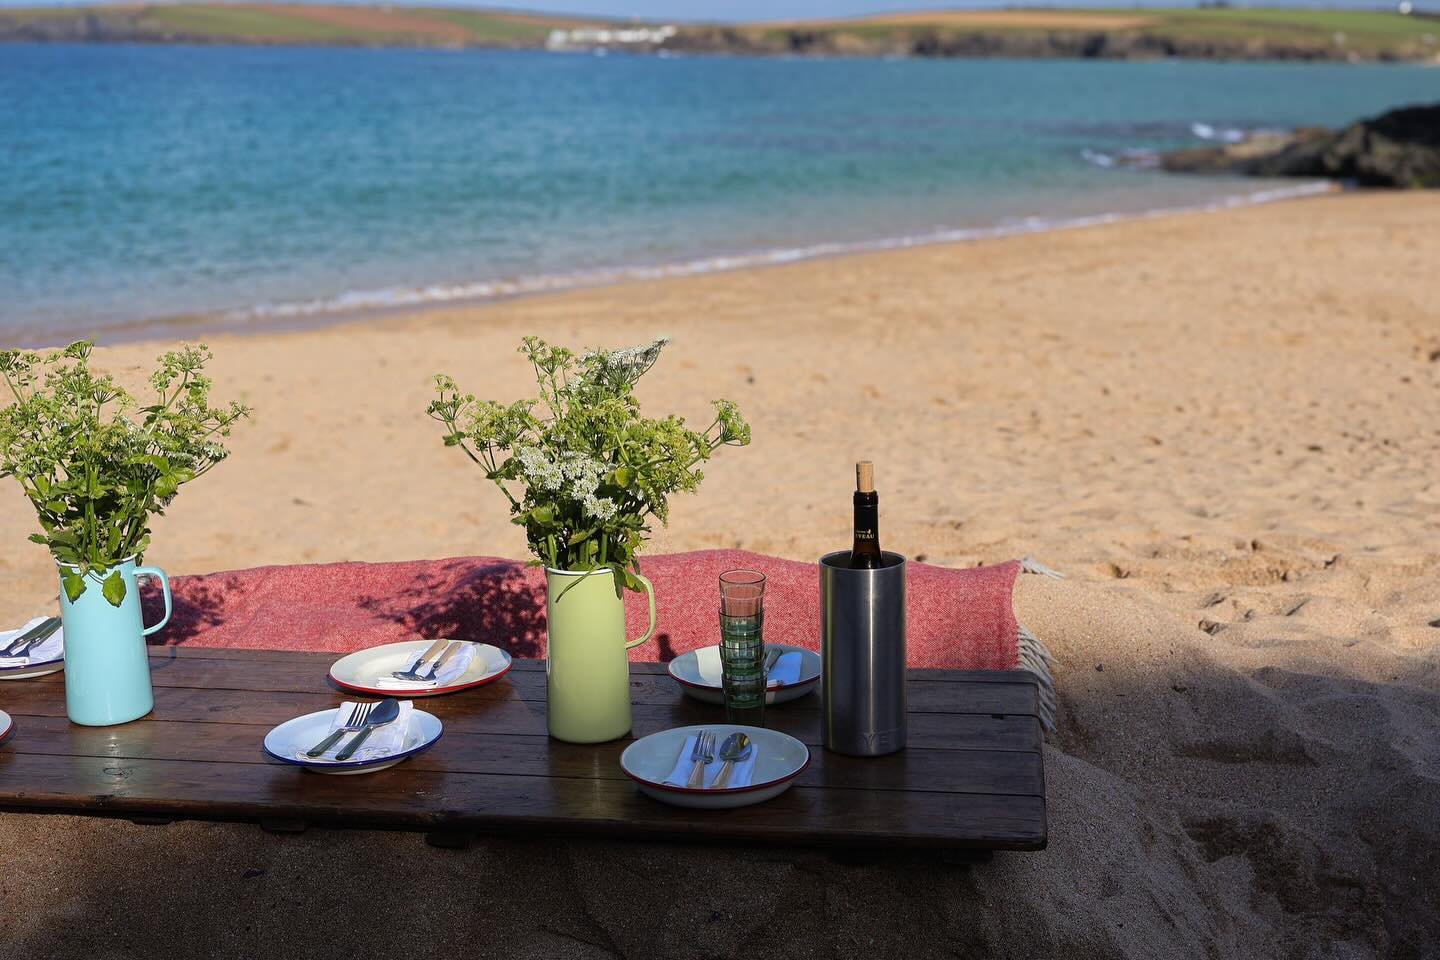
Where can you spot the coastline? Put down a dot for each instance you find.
(362, 305)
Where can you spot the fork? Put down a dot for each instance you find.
(700, 756)
(358, 713)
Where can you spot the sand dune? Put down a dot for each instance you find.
(1224, 427)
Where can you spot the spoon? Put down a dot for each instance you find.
(736, 747)
(386, 711)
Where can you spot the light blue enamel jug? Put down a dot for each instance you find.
(107, 671)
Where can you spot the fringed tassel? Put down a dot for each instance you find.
(1035, 658)
(1031, 565)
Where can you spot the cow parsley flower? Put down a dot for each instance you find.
(584, 473)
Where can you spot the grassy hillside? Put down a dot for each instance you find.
(1222, 32)
(283, 24)
(1226, 33)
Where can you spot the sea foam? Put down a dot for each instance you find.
(396, 298)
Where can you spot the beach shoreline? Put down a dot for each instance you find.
(1222, 427)
(342, 309)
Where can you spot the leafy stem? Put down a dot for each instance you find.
(584, 473)
(96, 465)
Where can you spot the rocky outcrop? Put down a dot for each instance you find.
(1397, 149)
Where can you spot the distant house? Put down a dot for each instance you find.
(591, 38)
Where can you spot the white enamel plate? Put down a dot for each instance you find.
(293, 737)
(779, 759)
(698, 673)
(33, 669)
(360, 671)
(7, 726)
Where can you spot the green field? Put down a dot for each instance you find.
(290, 24)
(1369, 33)
(1365, 30)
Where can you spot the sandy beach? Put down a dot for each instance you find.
(1223, 427)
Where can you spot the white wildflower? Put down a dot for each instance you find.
(584, 473)
(601, 508)
(540, 471)
(625, 365)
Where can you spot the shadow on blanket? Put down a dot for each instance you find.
(491, 600)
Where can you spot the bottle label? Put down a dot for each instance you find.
(862, 534)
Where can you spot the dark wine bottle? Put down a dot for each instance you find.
(865, 554)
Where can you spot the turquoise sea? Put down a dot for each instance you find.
(254, 184)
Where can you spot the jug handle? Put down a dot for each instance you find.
(158, 574)
(649, 592)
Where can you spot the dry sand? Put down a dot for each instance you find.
(1224, 427)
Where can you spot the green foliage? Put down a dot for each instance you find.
(96, 465)
(583, 471)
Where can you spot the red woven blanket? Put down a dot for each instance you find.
(959, 619)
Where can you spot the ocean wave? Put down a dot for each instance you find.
(391, 298)
(1207, 131)
(1143, 159)
(1132, 159)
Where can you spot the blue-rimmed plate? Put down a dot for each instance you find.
(7, 726)
(293, 737)
(34, 668)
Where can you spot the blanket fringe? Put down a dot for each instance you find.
(1031, 565)
(1035, 658)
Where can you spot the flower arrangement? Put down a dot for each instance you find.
(582, 470)
(96, 465)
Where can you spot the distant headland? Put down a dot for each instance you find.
(1210, 32)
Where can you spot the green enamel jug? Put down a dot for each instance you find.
(587, 674)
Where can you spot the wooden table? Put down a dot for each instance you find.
(972, 776)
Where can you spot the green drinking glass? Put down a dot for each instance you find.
(742, 646)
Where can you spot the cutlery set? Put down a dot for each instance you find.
(36, 635)
(450, 648)
(737, 747)
(363, 719)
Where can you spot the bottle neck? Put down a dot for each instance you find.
(867, 523)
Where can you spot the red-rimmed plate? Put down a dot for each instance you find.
(779, 759)
(368, 671)
(698, 673)
(7, 726)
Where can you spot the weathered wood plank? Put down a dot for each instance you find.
(943, 771)
(297, 676)
(972, 777)
(445, 800)
(480, 715)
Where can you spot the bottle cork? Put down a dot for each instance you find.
(865, 476)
